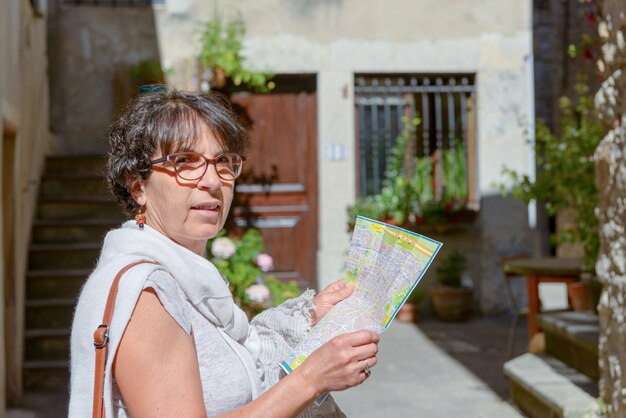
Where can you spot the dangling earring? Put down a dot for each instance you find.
(140, 218)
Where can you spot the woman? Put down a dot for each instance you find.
(177, 344)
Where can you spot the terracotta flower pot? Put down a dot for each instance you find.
(219, 78)
(452, 303)
(408, 313)
(579, 296)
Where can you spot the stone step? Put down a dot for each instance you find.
(544, 387)
(74, 212)
(66, 231)
(85, 164)
(72, 185)
(502, 410)
(49, 313)
(47, 344)
(86, 208)
(63, 256)
(572, 337)
(45, 284)
(46, 374)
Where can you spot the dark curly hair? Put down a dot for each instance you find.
(164, 123)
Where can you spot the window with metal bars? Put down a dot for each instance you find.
(113, 3)
(443, 139)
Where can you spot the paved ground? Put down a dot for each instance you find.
(480, 346)
(436, 370)
(433, 370)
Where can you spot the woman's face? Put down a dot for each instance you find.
(188, 212)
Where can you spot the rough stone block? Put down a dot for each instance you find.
(541, 392)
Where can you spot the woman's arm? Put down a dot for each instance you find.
(157, 371)
(156, 368)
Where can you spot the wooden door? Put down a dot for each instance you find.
(278, 191)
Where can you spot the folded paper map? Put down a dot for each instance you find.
(385, 263)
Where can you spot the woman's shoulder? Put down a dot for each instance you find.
(171, 296)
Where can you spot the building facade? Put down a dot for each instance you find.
(340, 45)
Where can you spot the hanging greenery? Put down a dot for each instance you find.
(221, 53)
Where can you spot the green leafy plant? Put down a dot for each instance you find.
(454, 169)
(369, 207)
(148, 76)
(566, 173)
(416, 296)
(398, 196)
(451, 268)
(221, 49)
(245, 265)
(407, 196)
(147, 72)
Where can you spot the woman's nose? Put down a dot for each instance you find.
(210, 180)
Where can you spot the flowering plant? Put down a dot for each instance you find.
(245, 265)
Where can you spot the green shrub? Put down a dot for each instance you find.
(451, 268)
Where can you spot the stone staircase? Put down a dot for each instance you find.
(74, 212)
(562, 383)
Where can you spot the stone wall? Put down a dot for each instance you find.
(24, 122)
(88, 45)
(611, 182)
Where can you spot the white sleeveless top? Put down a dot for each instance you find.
(225, 384)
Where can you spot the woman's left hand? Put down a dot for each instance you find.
(329, 297)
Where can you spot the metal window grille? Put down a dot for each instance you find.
(444, 104)
(113, 3)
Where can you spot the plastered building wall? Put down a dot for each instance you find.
(87, 46)
(24, 107)
(335, 39)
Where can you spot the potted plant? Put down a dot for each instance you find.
(451, 300)
(221, 57)
(409, 311)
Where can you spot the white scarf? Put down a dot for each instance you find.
(201, 282)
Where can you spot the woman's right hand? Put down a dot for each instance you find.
(340, 363)
(337, 365)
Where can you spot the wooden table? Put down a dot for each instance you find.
(542, 270)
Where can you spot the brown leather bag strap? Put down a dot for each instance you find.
(101, 342)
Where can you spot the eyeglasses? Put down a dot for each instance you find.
(192, 166)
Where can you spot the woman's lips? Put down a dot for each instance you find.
(210, 211)
(207, 206)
